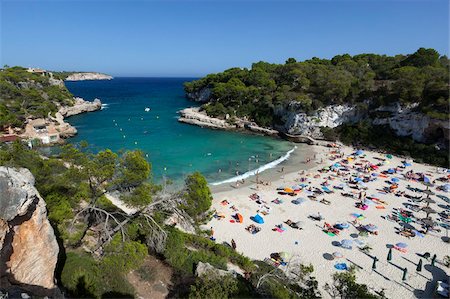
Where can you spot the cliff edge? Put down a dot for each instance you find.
(28, 246)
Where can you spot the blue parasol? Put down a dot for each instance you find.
(401, 245)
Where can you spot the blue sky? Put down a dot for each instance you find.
(193, 38)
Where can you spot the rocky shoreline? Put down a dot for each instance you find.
(55, 125)
(195, 116)
(88, 76)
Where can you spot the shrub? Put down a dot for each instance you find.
(197, 195)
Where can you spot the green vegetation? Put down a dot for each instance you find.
(183, 251)
(24, 94)
(345, 287)
(84, 276)
(213, 285)
(197, 195)
(382, 137)
(254, 93)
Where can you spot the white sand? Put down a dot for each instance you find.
(313, 243)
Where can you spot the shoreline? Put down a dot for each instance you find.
(311, 245)
(290, 167)
(195, 116)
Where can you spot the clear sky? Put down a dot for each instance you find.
(193, 38)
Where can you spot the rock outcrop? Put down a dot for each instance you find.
(80, 106)
(28, 246)
(297, 122)
(88, 76)
(195, 116)
(202, 96)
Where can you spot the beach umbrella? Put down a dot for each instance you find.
(338, 255)
(374, 264)
(239, 218)
(389, 256)
(401, 245)
(389, 156)
(375, 174)
(347, 244)
(429, 200)
(407, 164)
(341, 266)
(419, 266)
(288, 190)
(428, 192)
(371, 228)
(258, 219)
(395, 180)
(433, 260)
(358, 179)
(359, 153)
(391, 170)
(429, 211)
(359, 242)
(405, 271)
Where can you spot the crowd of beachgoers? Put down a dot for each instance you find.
(386, 216)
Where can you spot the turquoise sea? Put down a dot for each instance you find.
(174, 149)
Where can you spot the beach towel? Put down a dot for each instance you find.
(280, 230)
(380, 207)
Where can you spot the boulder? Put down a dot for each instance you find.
(28, 246)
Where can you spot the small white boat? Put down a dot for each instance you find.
(147, 109)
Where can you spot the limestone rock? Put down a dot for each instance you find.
(29, 250)
(204, 268)
(88, 76)
(202, 96)
(80, 106)
(297, 122)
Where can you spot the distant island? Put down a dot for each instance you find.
(87, 76)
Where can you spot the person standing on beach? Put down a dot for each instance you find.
(211, 232)
(233, 244)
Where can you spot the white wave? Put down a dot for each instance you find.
(258, 170)
(104, 106)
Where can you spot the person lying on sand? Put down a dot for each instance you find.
(293, 224)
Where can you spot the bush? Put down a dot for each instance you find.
(345, 286)
(80, 275)
(214, 286)
(197, 196)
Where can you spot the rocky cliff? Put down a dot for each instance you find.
(88, 76)
(404, 120)
(28, 247)
(202, 96)
(297, 122)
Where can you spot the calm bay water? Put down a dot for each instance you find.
(173, 148)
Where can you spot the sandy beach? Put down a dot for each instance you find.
(313, 245)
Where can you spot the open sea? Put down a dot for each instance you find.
(174, 149)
